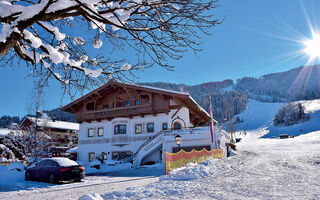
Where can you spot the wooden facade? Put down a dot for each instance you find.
(116, 99)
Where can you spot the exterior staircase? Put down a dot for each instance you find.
(146, 148)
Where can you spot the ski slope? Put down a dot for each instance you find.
(260, 115)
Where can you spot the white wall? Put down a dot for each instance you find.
(108, 142)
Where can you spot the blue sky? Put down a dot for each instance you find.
(257, 37)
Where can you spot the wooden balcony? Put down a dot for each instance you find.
(115, 112)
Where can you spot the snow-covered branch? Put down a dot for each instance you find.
(39, 33)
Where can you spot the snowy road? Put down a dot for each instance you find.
(76, 190)
(92, 184)
(263, 169)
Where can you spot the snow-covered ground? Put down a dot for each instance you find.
(262, 168)
(259, 115)
(13, 186)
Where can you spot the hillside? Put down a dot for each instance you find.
(300, 83)
(229, 98)
(260, 115)
(226, 102)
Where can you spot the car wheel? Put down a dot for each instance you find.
(52, 179)
(27, 176)
(77, 180)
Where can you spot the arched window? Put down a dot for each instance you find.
(177, 126)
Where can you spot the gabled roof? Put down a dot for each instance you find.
(113, 83)
(182, 97)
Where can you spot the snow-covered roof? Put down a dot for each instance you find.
(55, 124)
(73, 150)
(160, 89)
(63, 162)
(4, 132)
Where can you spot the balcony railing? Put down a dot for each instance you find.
(114, 112)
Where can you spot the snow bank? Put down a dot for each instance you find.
(91, 197)
(190, 172)
(168, 184)
(11, 175)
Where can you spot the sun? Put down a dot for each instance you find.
(312, 46)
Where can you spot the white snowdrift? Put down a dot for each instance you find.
(91, 197)
(190, 172)
(10, 175)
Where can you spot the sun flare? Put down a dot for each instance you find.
(312, 46)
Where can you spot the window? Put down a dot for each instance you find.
(177, 126)
(126, 104)
(54, 164)
(91, 156)
(165, 126)
(120, 129)
(150, 127)
(104, 156)
(138, 102)
(90, 132)
(43, 163)
(105, 107)
(51, 163)
(100, 132)
(138, 128)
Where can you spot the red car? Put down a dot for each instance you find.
(56, 169)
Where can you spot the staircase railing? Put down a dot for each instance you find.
(148, 141)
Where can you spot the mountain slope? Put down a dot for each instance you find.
(260, 115)
(300, 83)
